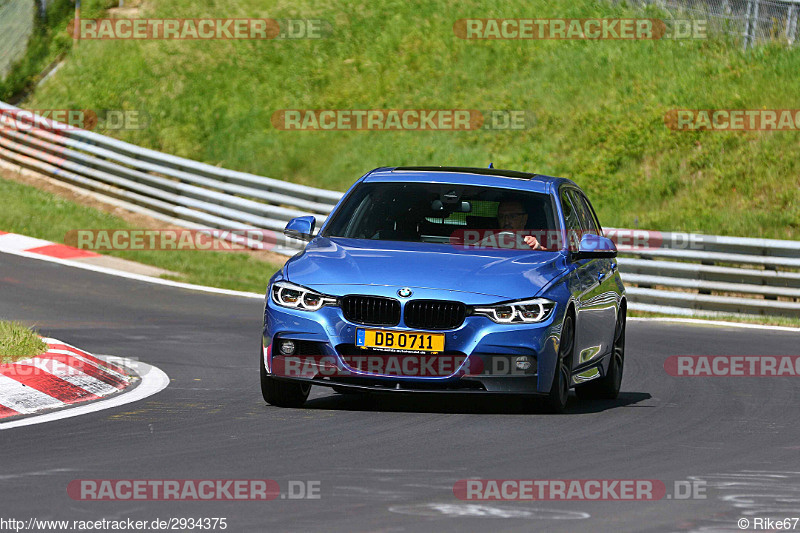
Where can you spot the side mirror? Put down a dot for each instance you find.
(594, 246)
(301, 228)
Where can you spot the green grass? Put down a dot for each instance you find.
(36, 213)
(599, 105)
(49, 41)
(18, 342)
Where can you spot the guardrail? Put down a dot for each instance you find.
(708, 275)
(713, 275)
(177, 190)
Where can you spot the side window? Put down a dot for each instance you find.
(571, 219)
(592, 214)
(585, 213)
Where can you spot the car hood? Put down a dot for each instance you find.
(506, 274)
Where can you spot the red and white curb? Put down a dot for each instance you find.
(65, 376)
(13, 242)
(61, 376)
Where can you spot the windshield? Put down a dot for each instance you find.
(444, 213)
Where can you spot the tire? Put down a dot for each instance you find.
(607, 387)
(556, 400)
(281, 393)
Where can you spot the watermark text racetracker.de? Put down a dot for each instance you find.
(387, 364)
(401, 119)
(580, 29)
(732, 119)
(733, 365)
(577, 489)
(55, 120)
(625, 240)
(103, 240)
(192, 490)
(199, 29)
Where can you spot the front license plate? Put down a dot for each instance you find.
(400, 340)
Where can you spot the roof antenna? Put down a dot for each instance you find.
(491, 165)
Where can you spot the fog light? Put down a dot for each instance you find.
(523, 362)
(287, 347)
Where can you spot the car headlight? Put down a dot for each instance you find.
(517, 312)
(288, 294)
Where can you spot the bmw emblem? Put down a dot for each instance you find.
(405, 292)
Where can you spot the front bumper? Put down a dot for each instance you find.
(479, 356)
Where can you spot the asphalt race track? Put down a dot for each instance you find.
(389, 463)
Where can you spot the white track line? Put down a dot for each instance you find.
(153, 380)
(13, 241)
(700, 322)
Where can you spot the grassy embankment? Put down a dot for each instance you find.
(47, 44)
(18, 342)
(599, 105)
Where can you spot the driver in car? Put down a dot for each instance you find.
(512, 217)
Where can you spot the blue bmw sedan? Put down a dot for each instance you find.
(448, 279)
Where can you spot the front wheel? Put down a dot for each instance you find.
(607, 387)
(282, 393)
(556, 400)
